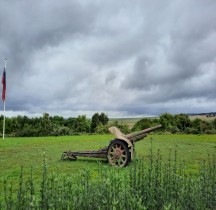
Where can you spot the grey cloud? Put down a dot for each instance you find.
(26, 27)
(175, 61)
(134, 58)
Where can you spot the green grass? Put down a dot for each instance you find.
(191, 149)
(27, 152)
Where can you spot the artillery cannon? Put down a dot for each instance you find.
(120, 150)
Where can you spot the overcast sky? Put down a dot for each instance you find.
(126, 58)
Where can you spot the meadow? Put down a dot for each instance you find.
(33, 154)
(27, 152)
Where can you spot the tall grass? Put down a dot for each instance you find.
(146, 184)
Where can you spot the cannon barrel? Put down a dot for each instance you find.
(136, 136)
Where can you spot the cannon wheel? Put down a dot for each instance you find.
(118, 154)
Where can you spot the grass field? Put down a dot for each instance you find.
(30, 152)
(27, 152)
(202, 117)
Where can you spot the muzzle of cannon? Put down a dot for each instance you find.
(119, 152)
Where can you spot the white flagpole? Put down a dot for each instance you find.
(4, 122)
(4, 106)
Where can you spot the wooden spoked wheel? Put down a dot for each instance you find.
(118, 154)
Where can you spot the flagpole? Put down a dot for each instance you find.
(4, 122)
(4, 107)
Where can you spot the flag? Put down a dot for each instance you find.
(4, 85)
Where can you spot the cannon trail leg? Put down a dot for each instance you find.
(118, 154)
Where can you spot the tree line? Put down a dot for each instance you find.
(179, 123)
(46, 125)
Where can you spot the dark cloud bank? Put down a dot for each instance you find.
(126, 58)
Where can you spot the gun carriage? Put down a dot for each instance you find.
(120, 150)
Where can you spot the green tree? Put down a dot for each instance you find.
(103, 118)
(144, 123)
(182, 122)
(214, 123)
(46, 127)
(60, 130)
(82, 124)
(101, 129)
(94, 122)
(167, 121)
(98, 119)
(57, 120)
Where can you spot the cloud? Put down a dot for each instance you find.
(121, 57)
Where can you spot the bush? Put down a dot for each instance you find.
(102, 129)
(144, 123)
(124, 128)
(60, 131)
